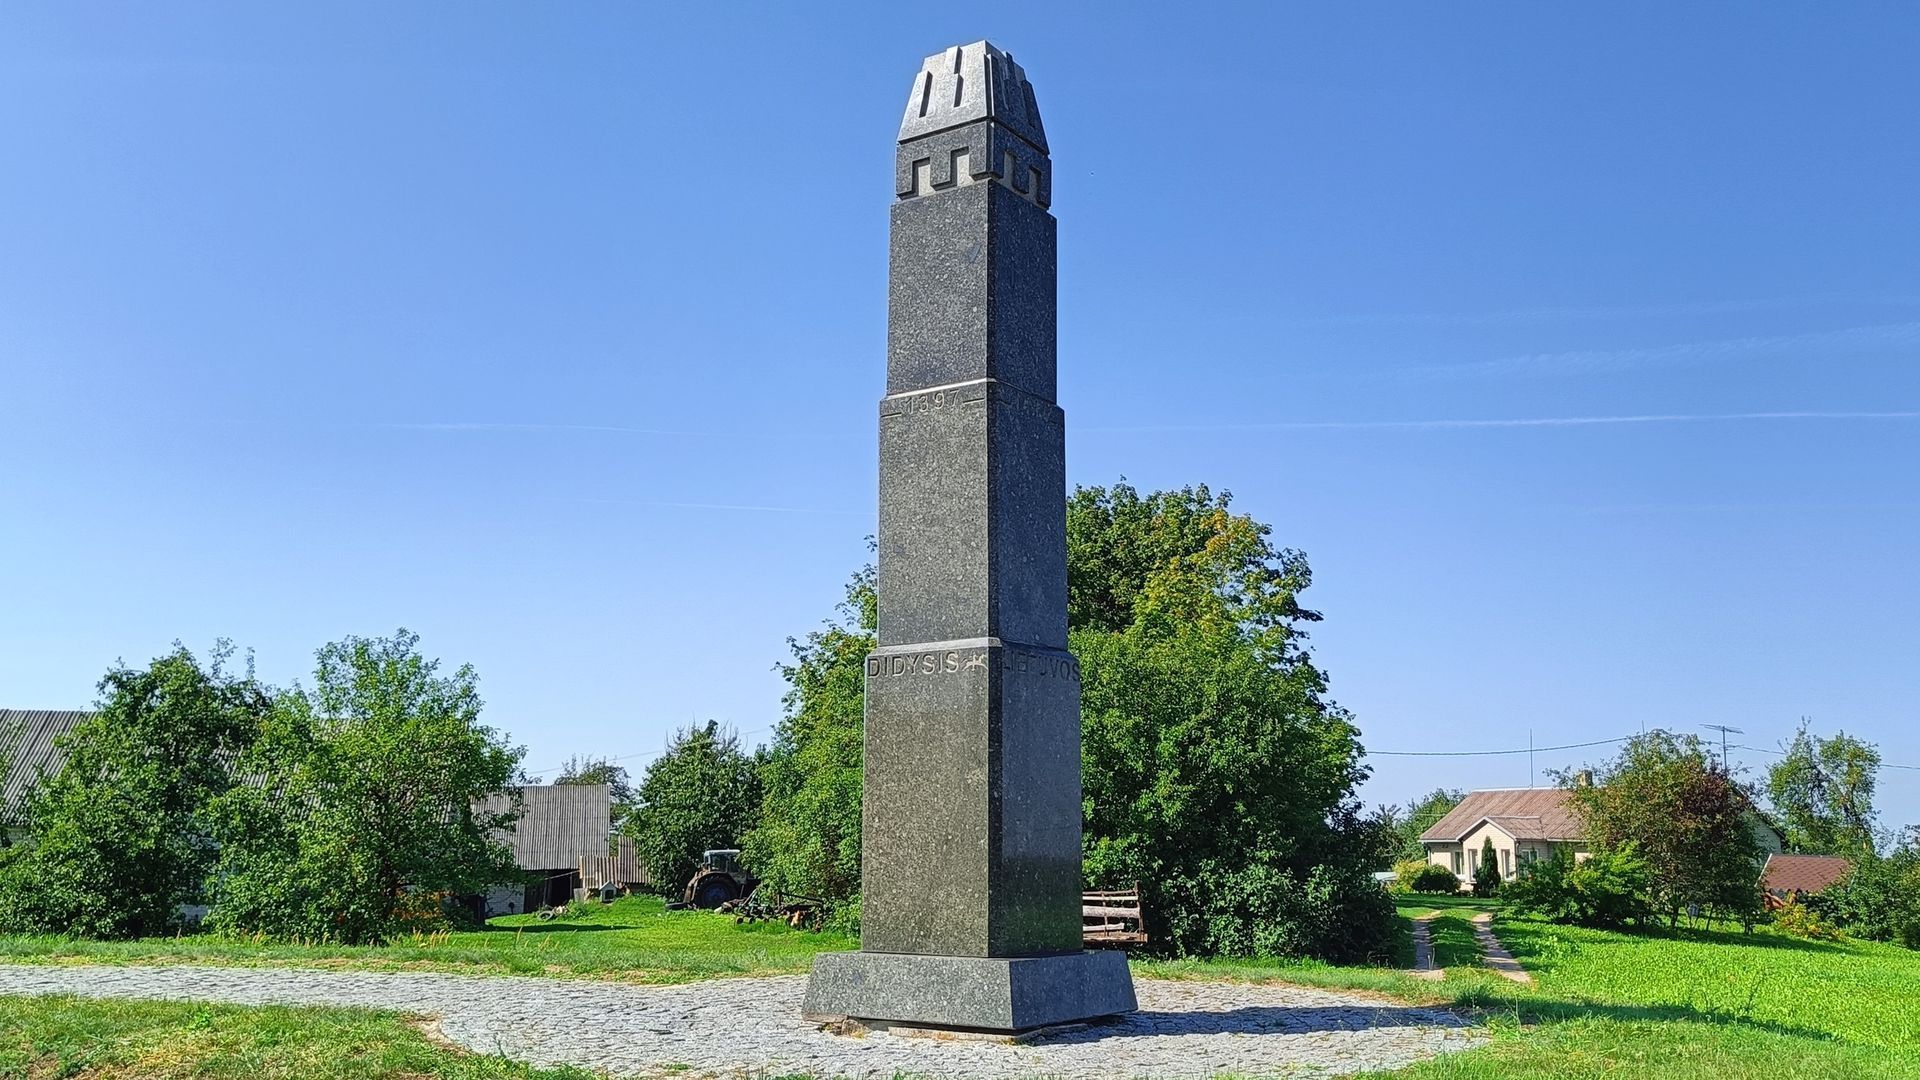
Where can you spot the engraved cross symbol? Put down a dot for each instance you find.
(977, 660)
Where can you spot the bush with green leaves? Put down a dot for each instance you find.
(1336, 913)
(1405, 871)
(1878, 900)
(1795, 919)
(1434, 879)
(1486, 873)
(1608, 889)
(367, 806)
(120, 836)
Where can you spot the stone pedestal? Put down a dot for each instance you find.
(970, 993)
(971, 821)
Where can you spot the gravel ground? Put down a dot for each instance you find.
(752, 1027)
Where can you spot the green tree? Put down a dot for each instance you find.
(1216, 773)
(1422, 814)
(1879, 899)
(1486, 874)
(1689, 819)
(807, 841)
(591, 770)
(703, 793)
(369, 807)
(1822, 793)
(120, 836)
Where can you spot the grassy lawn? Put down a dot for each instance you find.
(634, 939)
(45, 1038)
(1465, 905)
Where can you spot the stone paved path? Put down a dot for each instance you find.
(1498, 958)
(747, 1027)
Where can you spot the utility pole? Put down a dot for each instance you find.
(1724, 731)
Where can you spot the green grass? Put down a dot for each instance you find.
(1684, 1006)
(57, 1037)
(1454, 943)
(631, 940)
(1466, 905)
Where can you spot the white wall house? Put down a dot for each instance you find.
(1525, 825)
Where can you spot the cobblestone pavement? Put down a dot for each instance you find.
(751, 1026)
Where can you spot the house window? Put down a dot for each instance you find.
(1506, 862)
(1456, 864)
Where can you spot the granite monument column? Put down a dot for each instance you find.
(971, 818)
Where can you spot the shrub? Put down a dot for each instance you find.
(1878, 900)
(1405, 873)
(1336, 914)
(1608, 889)
(1434, 878)
(1796, 919)
(1486, 876)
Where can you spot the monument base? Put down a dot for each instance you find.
(969, 993)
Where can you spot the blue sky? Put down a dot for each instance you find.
(554, 333)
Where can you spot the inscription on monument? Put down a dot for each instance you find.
(934, 401)
(960, 661)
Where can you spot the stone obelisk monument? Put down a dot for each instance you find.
(970, 908)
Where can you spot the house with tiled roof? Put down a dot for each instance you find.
(1794, 877)
(1525, 825)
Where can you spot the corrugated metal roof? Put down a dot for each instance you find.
(1525, 814)
(28, 738)
(558, 824)
(1807, 874)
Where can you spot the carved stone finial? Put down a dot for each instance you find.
(972, 82)
(971, 118)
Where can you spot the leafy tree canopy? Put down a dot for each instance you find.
(703, 793)
(600, 770)
(368, 806)
(119, 837)
(1421, 815)
(807, 841)
(1822, 793)
(1690, 820)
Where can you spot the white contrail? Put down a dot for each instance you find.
(711, 506)
(1536, 315)
(1516, 422)
(476, 426)
(1689, 352)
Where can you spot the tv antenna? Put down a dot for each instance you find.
(1724, 731)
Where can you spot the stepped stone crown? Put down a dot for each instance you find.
(971, 118)
(972, 82)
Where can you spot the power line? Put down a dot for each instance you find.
(1494, 753)
(649, 754)
(1783, 753)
